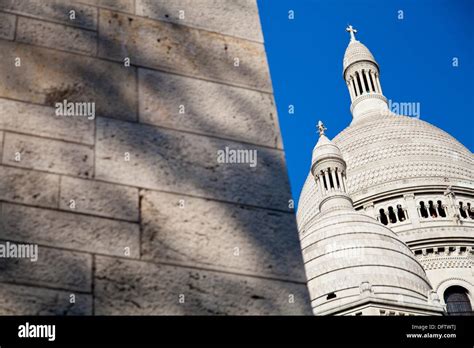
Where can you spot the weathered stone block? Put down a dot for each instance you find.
(49, 77)
(237, 18)
(53, 35)
(42, 121)
(206, 107)
(24, 300)
(48, 155)
(28, 187)
(98, 198)
(120, 5)
(54, 10)
(197, 231)
(185, 50)
(54, 268)
(69, 230)
(186, 163)
(7, 26)
(141, 288)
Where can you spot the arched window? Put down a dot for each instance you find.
(324, 180)
(366, 83)
(469, 211)
(331, 183)
(462, 211)
(441, 210)
(383, 217)
(355, 89)
(371, 81)
(432, 210)
(359, 83)
(391, 215)
(337, 179)
(400, 213)
(423, 210)
(457, 301)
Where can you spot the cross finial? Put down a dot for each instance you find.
(321, 128)
(351, 30)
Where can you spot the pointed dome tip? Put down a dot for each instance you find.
(324, 147)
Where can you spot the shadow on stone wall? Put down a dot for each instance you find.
(134, 289)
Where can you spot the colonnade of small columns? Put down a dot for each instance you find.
(363, 81)
(329, 180)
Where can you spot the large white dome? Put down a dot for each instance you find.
(392, 152)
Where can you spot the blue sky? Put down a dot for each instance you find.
(415, 56)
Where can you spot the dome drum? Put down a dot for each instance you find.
(327, 162)
(378, 105)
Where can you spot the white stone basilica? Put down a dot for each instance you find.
(386, 216)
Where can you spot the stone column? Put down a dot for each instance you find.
(320, 184)
(321, 179)
(353, 86)
(339, 176)
(378, 84)
(343, 176)
(326, 177)
(372, 74)
(451, 207)
(366, 72)
(359, 92)
(333, 174)
(349, 86)
(370, 210)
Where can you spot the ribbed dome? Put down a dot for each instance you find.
(385, 152)
(325, 149)
(343, 249)
(356, 52)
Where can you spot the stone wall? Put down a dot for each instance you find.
(132, 211)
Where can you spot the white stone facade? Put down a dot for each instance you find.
(132, 211)
(411, 179)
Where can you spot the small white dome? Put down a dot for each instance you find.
(343, 249)
(325, 149)
(357, 52)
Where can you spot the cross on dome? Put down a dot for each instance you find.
(321, 128)
(351, 30)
